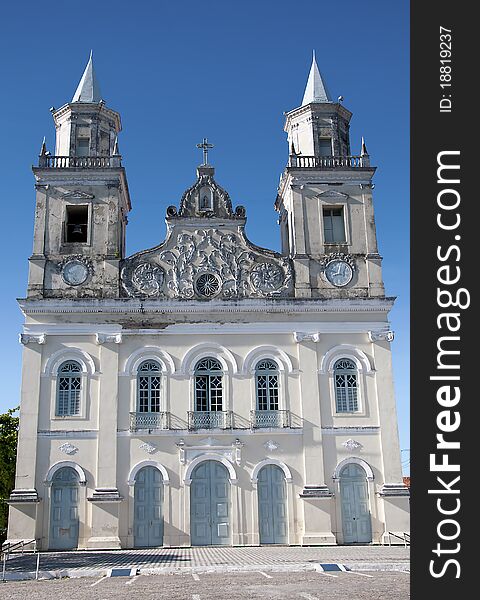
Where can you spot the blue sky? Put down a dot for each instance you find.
(226, 70)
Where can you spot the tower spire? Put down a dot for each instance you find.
(88, 89)
(363, 151)
(315, 90)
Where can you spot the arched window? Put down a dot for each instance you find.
(346, 386)
(69, 386)
(206, 199)
(148, 386)
(208, 385)
(266, 381)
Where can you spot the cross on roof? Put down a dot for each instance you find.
(205, 147)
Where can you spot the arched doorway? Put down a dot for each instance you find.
(356, 519)
(64, 510)
(210, 505)
(272, 505)
(148, 508)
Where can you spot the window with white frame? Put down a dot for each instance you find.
(69, 387)
(346, 385)
(148, 387)
(333, 226)
(266, 382)
(325, 147)
(208, 385)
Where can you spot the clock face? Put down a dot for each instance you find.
(75, 272)
(339, 272)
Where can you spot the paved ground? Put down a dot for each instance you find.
(188, 560)
(206, 586)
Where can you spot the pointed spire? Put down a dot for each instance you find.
(316, 90)
(116, 152)
(364, 156)
(88, 89)
(44, 154)
(364, 151)
(116, 159)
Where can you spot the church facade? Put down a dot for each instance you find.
(206, 391)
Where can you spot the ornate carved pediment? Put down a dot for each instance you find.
(78, 194)
(332, 194)
(206, 199)
(206, 264)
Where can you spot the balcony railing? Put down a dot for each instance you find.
(262, 419)
(221, 419)
(147, 420)
(78, 162)
(329, 162)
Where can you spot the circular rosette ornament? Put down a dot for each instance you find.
(208, 285)
(148, 279)
(267, 278)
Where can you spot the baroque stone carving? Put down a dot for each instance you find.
(108, 338)
(76, 258)
(348, 258)
(270, 445)
(181, 451)
(352, 445)
(219, 205)
(78, 194)
(300, 336)
(208, 285)
(148, 279)
(238, 445)
(30, 338)
(69, 449)
(207, 263)
(149, 448)
(267, 277)
(381, 336)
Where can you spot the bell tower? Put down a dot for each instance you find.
(82, 201)
(325, 201)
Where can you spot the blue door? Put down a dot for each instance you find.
(272, 505)
(210, 505)
(64, 510)
(357, 524)
(148, 514)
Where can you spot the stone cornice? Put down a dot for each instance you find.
(312, 177)
(327, 109)
(87, 109)
(73, 177)
(213, 307)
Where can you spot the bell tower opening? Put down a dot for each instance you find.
(76, 224)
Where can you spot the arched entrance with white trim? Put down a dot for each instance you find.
(272, 505)
(355, 504)
(281, 500)
(210, 504)
(148, 499)
(64, 508)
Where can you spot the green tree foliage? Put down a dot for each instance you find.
(8, 453)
